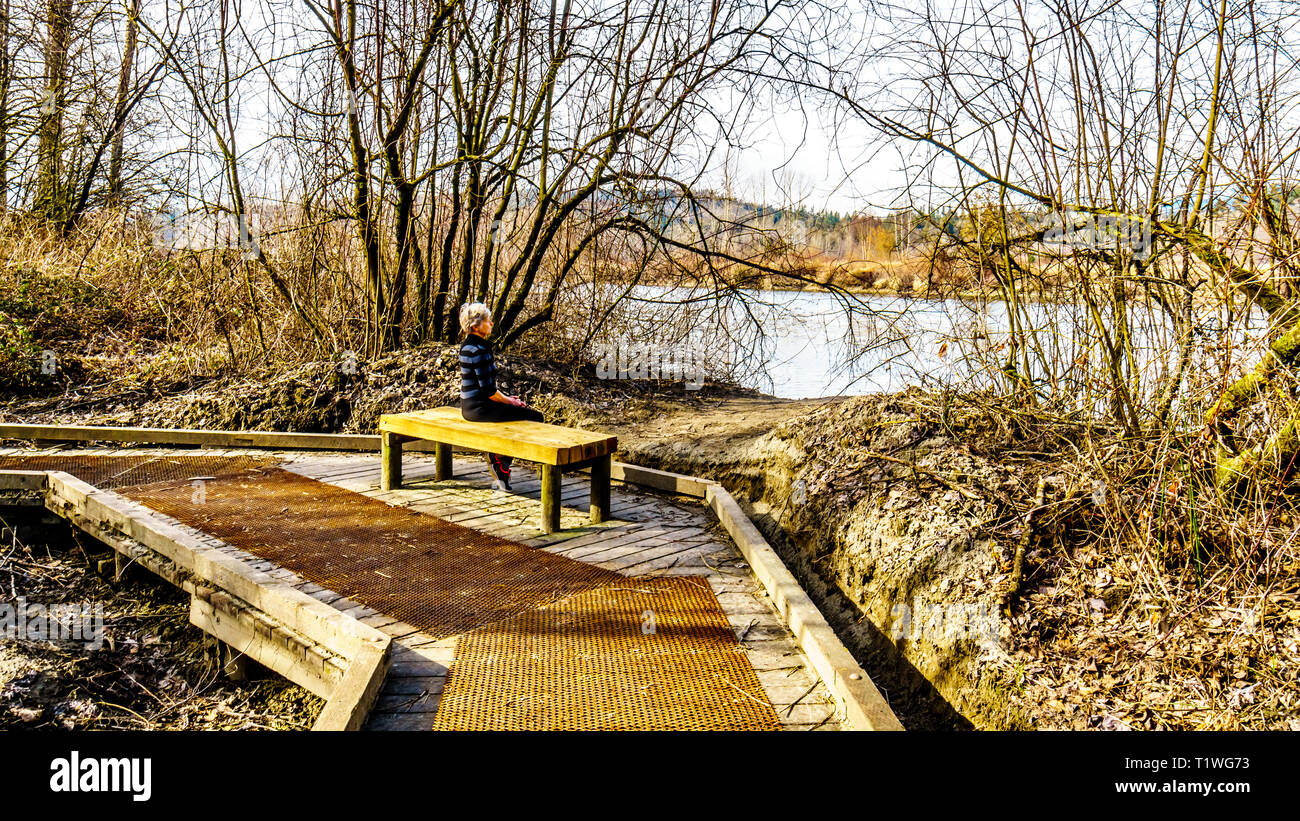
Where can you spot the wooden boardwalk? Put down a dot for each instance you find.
(649, 534)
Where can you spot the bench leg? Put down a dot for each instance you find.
(600, 489)
(550, 498)
(443, 469)
(390, 460)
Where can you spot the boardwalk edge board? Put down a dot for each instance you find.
(864, 706)
(313, 645)
(199, 438)
(862, 703)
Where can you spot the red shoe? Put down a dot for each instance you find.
(500, 470)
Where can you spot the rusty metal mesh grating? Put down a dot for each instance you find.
(432, 574)
(590, 663)
(113, 472)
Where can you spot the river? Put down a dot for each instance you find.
(798, 345)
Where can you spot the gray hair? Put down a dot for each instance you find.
(471, 314)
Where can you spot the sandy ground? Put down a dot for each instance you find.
(734, 419)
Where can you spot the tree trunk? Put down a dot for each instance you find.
(120, 103)
(6, 79)
(51, 194)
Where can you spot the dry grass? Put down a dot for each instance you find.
(1149, 600)
(1139, 606)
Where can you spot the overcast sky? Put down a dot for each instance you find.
(799, 157)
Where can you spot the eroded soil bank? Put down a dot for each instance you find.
(950, 541)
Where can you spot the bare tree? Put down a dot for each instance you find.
(122, 103)
(51, 187)
(493, 146)
(1077, 118)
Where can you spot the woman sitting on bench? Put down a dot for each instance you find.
(480, 401)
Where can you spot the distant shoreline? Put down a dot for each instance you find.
(991, 294)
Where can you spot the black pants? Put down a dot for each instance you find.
(486, 410)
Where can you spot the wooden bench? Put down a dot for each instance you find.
(554, 447)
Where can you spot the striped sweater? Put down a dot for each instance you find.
(478, 371)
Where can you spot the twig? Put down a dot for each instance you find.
(969, 494)
(790, 709)
(1018, 563)
(146, 721)
(752, 622)
(820, 723)
(742, 692)
(719, 568)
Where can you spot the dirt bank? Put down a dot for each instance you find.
(343, 396)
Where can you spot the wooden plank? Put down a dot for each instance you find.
(774, 660)
(390, 460)
(547, 541)
(425, 649)
(605, 540)
(477, 509)
(612, 531)
(23, 480)
(806, 713)
(776, 679)
(414, 685)
(380, 622)
(832, 725)
(534, 441)
(621, 549)
(741, 603)
(405, 703)
(324, 472)
(208, 438)
(634, 511)
(732, 584)
(550, 499)
(662, 558)
(488, 515)
(558, 435)
(400, 721)
(351, 701)
(419, 668)
(600, 503)
(682, 564)
(498, 441)
(244, 637)
(660, 479)
(786, 695)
